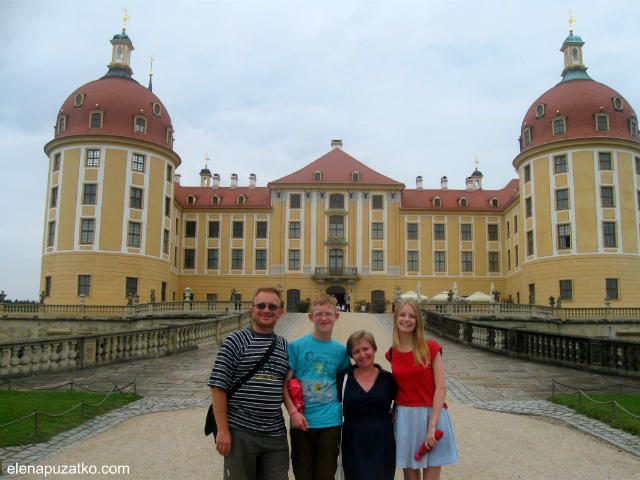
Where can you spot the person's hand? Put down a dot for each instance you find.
(223, 442)
(392, 411)
(299, 421)
(431, 439)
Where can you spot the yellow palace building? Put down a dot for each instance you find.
(119, 223)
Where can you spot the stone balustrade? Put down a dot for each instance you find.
(75, 352)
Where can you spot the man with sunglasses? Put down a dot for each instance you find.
(252, 435)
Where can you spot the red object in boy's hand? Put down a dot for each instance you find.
(425, 448)
(295, 390)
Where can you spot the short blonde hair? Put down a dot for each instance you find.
(359, 336)
(323, 299)
(267, 287)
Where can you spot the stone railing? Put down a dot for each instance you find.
(610, 356)
(84, 351)
(41, 310)
(336, 272)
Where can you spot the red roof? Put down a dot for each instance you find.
(120, 99)
(578, 100)
(259, 197)
(336, 168)
(476, 200)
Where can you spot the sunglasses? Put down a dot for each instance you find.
(271, 306)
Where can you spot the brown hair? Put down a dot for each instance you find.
(267, 287)
(323, 299)
(421, 352)
(359, 336)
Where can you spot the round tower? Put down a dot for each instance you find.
(108, 221)
(579, 165)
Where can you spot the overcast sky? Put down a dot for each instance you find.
(411, 87)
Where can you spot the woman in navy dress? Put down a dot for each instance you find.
(368, 443)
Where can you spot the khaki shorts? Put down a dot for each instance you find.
(257, 457)
(314, 454)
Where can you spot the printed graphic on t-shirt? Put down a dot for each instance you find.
(318, 391)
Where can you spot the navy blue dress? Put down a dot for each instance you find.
(368, 443)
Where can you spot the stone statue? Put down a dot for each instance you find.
(42, 295)
(130, 300)
(496, 296)
(153, 296)
(450, 296)
(532, 298)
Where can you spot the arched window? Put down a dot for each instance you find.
(317, 176)
(215, 200)
(191, 200)
(437, 202)
(241, 199)
(119, 53)
(463, 202)
(355, 176)
(336, 200)
(336, 226)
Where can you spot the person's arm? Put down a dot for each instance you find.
(219, 402)
(298, 420)
(438, 398)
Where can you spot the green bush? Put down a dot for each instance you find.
(359, 304)
(379, 305)
(304, 305)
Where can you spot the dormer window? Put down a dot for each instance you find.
(540, 110)
(526, 135)
(140, 124)
(215, 200)
(157, 109)
(494, 202)
(559, 125)
(95, 119)
(317, 176)
(241, 199)
(79, 100)
(169, 136)
(463, 202)
(618, 105)
(602, 122)
(437, 202)
(355, 176)
(62, 124)
(633, 128)
(191, 200)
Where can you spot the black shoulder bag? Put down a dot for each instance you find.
(210, 425)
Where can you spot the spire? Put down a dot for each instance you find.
(574, 68)
(120, 65)
(151, 76)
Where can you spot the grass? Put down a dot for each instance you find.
(604, 413)
(17, 404)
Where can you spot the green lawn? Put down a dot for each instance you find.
(16, 405)
(604, 413)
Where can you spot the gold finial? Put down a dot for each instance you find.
(477, 162)
(206, 160)
(124, 19)
(571, 20)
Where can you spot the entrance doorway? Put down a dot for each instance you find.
(338, 292)
(293, 300)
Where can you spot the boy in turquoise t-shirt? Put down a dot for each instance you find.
(315, 361)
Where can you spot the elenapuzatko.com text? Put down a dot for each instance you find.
(78, 469)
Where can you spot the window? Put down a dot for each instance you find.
(93, 158)
(238, 229)
(492, 231)
(606, 196)
(438, 231)
(136, 198)
(528, 207)
(294, 200)
(609, 234)
(96, 120)
(54, 197)
(517, 255)
(336, 200)
(261, 230)
(355, 177)
(494, 202)
(440, 264)
(294, 229)
(212, 297)
(336, 226)
(530, 242)
(131, 287)
(89, 194)
(527, 136)
(378, 260)
(214, 229)
(167, 206)
(515, 224)
(157, 109)
(261, 259)
(412, 260)
(527, 173)
(86, 230)
(62, 125)
(560, 164)
(494, 262)
(165, 242)
(317, 176)
(169, 172)
(562, 199)
(141, 125)
(84, 284)
(79, 100)
(564, 236)
(509, 260)
(605, 161)
(566, 289)
(465, 231)
(212, 258)
(602, 123)
(175, 257)
(463, 202)
(637, 165)
(138, 163)
(559, 127)
(215, 200)
(376, 201)
(47, 286)
(611, 284)
(294, 259)
(437, 202)
(377, 230)
(190, 230)
(52, 234)
(633, 128)
(56, 162)
(189, 258)
(241, 199)
(540, 110)
(236, 259)
(412, 231)
(467, 261)
(133, 238)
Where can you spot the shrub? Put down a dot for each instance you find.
(379, 305)
(304, 305)
(359, 304)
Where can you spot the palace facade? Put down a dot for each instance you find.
(119, 222)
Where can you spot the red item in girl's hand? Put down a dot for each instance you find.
(295, 390)
(425, 448)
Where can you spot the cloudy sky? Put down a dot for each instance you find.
(411, 87)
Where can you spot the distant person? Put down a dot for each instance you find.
(368, 443)
(315, 360)
(420, 409)
(252, 435)
(347, 301)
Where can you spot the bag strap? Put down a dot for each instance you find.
(254, 370)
